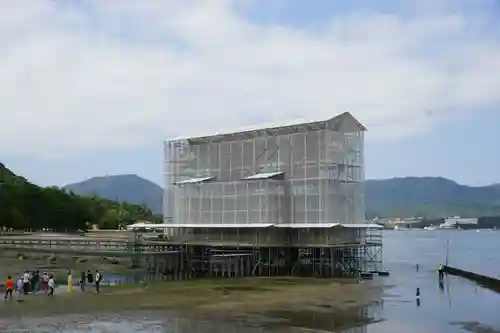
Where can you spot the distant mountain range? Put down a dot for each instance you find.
(129, 188)
(430, 197)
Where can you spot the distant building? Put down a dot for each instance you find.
(458, 222)
(138, 224)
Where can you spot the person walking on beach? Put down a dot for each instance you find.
(98, 278)
(70, 282)
(440, 272)
(20, 287)
(51, 285)
(26, 282)
(45, 282)
(35, 281)
(9, 288)
(82, 282)
(32, 281)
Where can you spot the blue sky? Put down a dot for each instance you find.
(93, 88)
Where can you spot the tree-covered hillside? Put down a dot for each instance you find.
(24, 205)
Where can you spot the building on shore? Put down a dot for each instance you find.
(285, 200)
(460, 223)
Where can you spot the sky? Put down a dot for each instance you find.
(93, 87)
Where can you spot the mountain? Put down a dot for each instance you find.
(429, 197)
(9, 177)
(129, 188)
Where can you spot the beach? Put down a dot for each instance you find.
(271, 301)
(291, 305)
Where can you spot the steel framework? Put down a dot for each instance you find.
(231, 178)
(271, 251)
(283, 200)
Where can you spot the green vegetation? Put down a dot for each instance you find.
(24, 205)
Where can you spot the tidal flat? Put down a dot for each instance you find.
(272, 303)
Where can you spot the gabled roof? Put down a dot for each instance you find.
(344, 122)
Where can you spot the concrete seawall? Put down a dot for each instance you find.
(483, 280)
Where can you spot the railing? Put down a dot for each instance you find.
(269, 240)
(109, 247)
(144, 245)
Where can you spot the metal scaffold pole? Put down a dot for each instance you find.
(134, 248)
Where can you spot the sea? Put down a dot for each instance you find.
(413, 302)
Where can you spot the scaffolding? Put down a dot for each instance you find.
(273, 200)
(337, 251)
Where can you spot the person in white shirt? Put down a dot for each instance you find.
(20, 286)
(98, 278)
(26, 282)
(52, 284)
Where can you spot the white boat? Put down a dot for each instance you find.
(397, 227)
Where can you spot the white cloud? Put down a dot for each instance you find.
(109, 76)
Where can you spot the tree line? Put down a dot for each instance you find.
(25, 206)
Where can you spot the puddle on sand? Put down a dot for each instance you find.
(130, 322)
(475, 327)
(120, 323)
(330, 320)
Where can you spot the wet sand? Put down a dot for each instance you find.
(458, 306)
(270, 302)
(246, 295)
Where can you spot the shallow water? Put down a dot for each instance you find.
(469, 250)
(440, 306)
(455, 306)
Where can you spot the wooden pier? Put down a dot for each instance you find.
(483, 280)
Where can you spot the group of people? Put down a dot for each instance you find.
(30, 281)
(89, 278)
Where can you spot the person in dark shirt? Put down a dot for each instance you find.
(90, 277)
(440, 273)
(35, 282)
(82, 281)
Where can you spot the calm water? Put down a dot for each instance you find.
(458, 301)
(439, 309)
(469, 250)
